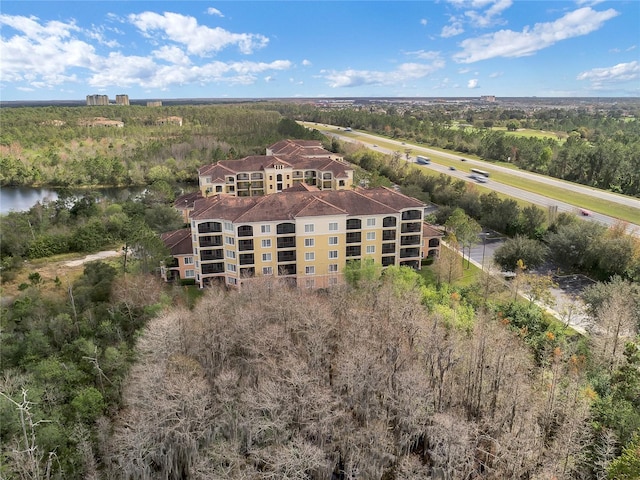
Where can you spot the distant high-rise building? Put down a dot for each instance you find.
(97, 100)
(488, 98)
(156, 103)
(122, 99)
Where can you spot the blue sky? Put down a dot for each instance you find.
(57, 50)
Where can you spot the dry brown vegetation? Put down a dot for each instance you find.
(271, 383)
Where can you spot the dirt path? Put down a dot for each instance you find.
(66, 271)
(92, 257)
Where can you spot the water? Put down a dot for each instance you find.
(20, 199)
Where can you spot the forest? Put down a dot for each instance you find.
(112, 374)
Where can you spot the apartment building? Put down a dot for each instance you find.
(122, 99)
(304, 234)
(285, 164)
(97, 100)
(180, 246)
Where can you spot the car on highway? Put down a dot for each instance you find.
(463, 159)
(585, 213)
(374, 146)
(452, 168)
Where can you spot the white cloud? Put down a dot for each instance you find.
(199, 39)
(215, 12)
(489, 16)
(306, 63)
(42, 54)
(404, 72)
(97, 33)
(507, 43)
(125, 71)
(423, 21)
(473, 83)
(424, 55)
(455, 28)
(496, 74)
(478, 13)
(171, 54)
(620, 73)
(269, 79)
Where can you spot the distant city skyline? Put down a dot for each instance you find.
(57, 50)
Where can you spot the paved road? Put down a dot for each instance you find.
(514, 192)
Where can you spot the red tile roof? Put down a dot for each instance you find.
(178, 241)
(289, 204)
(257, 163)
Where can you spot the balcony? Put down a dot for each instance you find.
(411, 240)
(388, 235)
(386, 261)
(210, 241)
(244, 245)
(245, 231)
(286, 228)
(248, 272)
(246, 259)
(286, 242)
(287, 269)
(210, 268)
(173, 263)
(353, 237)
(287, 256)
(353, 251)
(242, 176)
(389, 222)
(388, 248)
(409, 252)
(434, 242)
(412, 215)
(354, 224)
(413, 227)
(209, 227)
(208, 255)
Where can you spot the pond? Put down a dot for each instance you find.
(20, 199)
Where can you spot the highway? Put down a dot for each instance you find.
(537, 199)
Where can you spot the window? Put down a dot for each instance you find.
(233, 281)
(309, 256)
(265, 228)
(333, 267)
(230, 254)
(333, 253)
(310, 283)
(333, 226)
(266, 257)
(371, 235)
(189, 273)
(229, 240)
(231, 267)
(309, 228)
(371, 249)
(310, 270)
(333, 240)
(267, 270)
(188, 260)
(228, 226)
(266, 243)
(309, 242)
(333, 281)
(371, 222)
